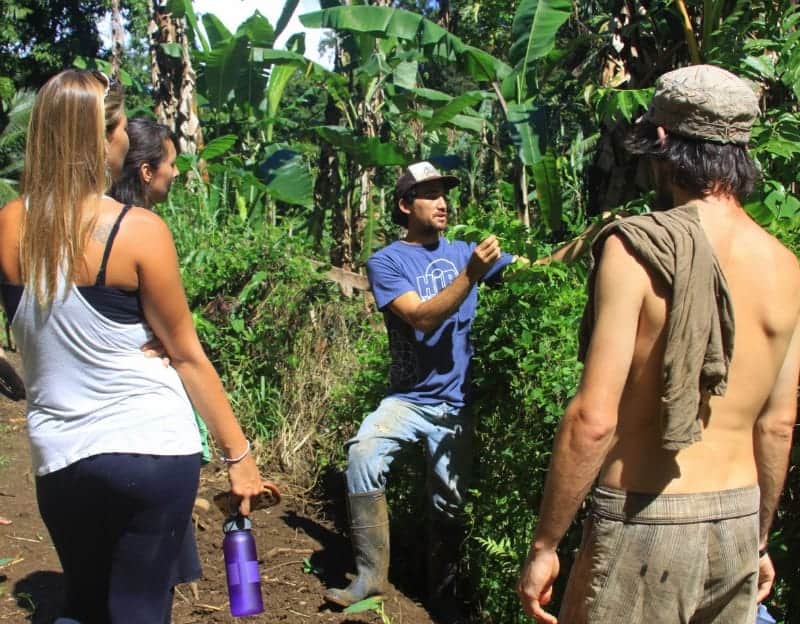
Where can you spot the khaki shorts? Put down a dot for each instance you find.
(671, 559)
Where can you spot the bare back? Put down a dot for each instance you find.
(764, 281)
(122, 266)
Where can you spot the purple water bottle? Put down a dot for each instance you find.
(241, 566)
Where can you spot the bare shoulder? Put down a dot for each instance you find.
(142, 224)
(617, 256)
(784, 260)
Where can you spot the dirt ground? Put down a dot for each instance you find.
(300, 553)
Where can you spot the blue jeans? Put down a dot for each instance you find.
(447, 433)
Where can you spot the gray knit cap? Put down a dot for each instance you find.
(704, 102)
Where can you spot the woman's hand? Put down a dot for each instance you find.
(247, 485)
(155, 348)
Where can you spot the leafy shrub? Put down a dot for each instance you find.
(278, 332)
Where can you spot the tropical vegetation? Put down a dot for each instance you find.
(289, 166)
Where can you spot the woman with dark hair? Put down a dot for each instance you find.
(115, 448)
(145, 179)
(149, 167)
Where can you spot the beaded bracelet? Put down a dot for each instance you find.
(235, 460)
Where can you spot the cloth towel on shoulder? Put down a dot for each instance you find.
(700, 322)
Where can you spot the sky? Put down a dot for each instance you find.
(234, 12)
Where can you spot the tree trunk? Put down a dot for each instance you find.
(446, 16)
(341, 198)
(117, 38)
(173, 77)
(328, 185)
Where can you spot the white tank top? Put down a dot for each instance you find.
(91, 390)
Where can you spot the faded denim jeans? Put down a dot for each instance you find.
(446, 431)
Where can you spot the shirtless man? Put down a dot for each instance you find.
(685, 497)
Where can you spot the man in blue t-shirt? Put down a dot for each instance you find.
(426, 288)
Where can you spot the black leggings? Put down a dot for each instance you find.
(118, 522)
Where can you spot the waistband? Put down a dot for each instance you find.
(639, 508)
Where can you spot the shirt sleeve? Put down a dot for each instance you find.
(387, 281)
(494, 274)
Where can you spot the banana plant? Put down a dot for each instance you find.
(534, 29)
(242, 76)
(382, 99)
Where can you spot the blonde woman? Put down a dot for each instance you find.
(86, 281)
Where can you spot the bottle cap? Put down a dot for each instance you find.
(237, 523)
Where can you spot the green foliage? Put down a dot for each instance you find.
(517, 99)
(525, 371)
(370, 604)
(367, 151)
(38, 38)
(12, 142)
(250, 289)
(434, 40)
(534, 31)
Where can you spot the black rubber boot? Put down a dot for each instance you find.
(369, 533)
(445, 539)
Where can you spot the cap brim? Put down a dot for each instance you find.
(449, 181)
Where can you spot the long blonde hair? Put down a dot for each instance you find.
(65, 175)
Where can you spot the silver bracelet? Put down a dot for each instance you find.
(236, 460)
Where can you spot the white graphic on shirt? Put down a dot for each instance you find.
(438, 274)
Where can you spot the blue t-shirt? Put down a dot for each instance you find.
(434, 367)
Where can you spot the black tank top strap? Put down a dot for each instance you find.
(101, 274)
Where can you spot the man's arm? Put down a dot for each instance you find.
(772, 442)
(579, 245)
(426, 316)
(587, 429)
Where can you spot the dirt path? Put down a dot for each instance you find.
(300, 554)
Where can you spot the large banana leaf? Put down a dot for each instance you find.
(548, 189)
(216, 30)
(287, 177)
(454, 107)
(258, 30)
(383, 22)
(522, 127)
(221, 74)
(470, 123)
(227, 68)
(278, 79)
(533, 31)
(367, 152)
(458, 115)
(283, 21)
(218, 146)
(405, 74)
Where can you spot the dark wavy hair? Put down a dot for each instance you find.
(147, 139)
(398, 216)
(700, 167)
